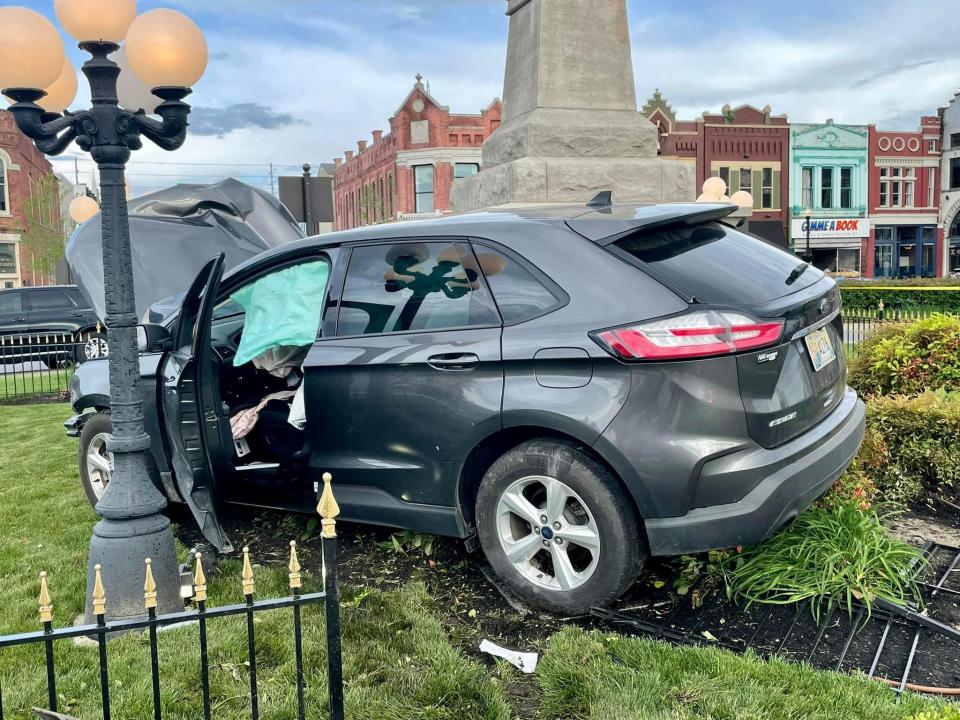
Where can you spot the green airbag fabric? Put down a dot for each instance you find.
(282, 308)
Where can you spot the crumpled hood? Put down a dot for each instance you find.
(175, 231)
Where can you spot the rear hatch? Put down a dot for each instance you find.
(789, 386)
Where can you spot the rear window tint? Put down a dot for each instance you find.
(720, 265)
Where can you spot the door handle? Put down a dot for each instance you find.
(453, 361)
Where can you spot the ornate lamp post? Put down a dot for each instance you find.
(167, 51)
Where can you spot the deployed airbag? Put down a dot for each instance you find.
(283, 309)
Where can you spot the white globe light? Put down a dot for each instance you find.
(714, 187)
(62, 92)
(31, 51)
(166, 49)
(132, 92)
(96, 20)
(83, 208)
(704, 198)
(742, 198)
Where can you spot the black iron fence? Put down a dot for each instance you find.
(861, 323)
(200, 614)
(38, 367)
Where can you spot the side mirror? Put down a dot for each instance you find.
(152, 338)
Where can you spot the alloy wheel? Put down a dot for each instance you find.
(95, 347)
(99, 463)
(548, 533)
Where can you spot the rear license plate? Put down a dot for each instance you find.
(820, 348)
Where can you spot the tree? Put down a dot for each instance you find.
(42, 240)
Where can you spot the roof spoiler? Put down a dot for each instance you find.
(607, 231)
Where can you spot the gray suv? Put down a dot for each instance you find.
(577, 388)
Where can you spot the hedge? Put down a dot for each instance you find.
(912, 444)
(931, 299)
(909, 359)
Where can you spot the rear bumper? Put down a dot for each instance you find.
(788, 479)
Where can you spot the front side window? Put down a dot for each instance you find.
(519, 295)
(806, 178)
(826, 188)
(462, 170)
(846, 188)
(10, 302)
(49, 300)
(414, 286)
(423, 188)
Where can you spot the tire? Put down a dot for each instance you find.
(91, 346)
(555, 477)
(94, 433)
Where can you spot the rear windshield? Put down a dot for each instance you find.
(719, 265)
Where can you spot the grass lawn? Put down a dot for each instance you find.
(399, 661)
(39, 383)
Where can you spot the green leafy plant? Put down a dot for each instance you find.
(693, 567)
(939, 295)
(909, 359)
(409, 541)
(947, 712)
(832, 556)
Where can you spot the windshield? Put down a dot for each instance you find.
(720, 265)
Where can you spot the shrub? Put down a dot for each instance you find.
(909, 359)
(911, 443)
(856, 297)
(947, 712)
(831, 556)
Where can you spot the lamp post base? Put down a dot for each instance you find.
(120, 548)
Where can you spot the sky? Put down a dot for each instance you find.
(294, 81)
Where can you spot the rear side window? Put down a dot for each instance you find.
(519, 295)
(49, 300)
(719, 264)
(10, 302)
(413, 286)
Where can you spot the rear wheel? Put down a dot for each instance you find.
(96, 463)
(557, 527)
(92, 346)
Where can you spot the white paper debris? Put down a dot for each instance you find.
(524, 662)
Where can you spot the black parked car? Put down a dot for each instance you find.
(61, 325)
(578, 388)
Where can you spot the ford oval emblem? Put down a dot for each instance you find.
(824, 306)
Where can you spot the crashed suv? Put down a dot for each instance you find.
(577, 388)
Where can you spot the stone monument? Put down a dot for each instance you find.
(570, 122)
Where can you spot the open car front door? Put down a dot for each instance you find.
(199, 433)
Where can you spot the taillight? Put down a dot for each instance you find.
(696, 334)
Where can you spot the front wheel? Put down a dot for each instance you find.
(92, 346)
(96, 463)
(558, 528)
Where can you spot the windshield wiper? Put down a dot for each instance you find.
(796, 273)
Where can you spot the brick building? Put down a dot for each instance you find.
(747, 147)
(407, 173)
(21, 164)
(904, 202)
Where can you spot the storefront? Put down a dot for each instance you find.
(905, 251)
(836, 244)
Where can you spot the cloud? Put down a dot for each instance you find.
(239, 116)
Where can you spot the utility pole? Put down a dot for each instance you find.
(307, 210)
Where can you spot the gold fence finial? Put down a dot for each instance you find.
(246, 575)
(199, 580)
(294, 567)
(46, 604)
(149, 587)
(99, 594)
(328, 508)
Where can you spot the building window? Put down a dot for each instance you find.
(931, 187)
(846, 188)
(766, 189)
(8, 259)
(390, 196)
(954, 141)
(724, 174)
(462, 170)
(884, 187)
(826, 188)
(806, 181)
(909, 181)
(746, 180)
(955, 172)
(3, 188)
(423, 188)
(931, 146)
